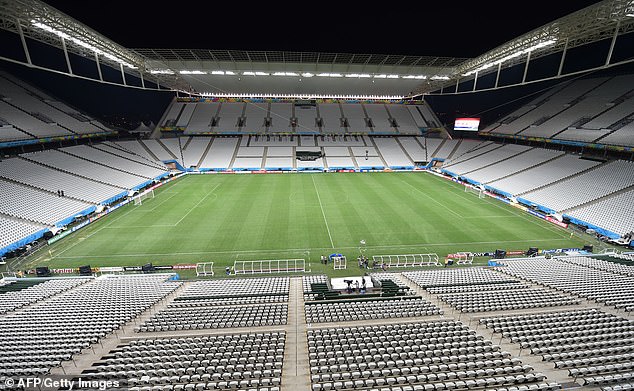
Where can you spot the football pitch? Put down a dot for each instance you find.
(224, 218)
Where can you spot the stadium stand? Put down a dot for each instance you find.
(250, 361)
(306, 120)
(367, 309)
(405, 122)
(587, 110)
(585, 187)
(513, 165)
(613, 213)
(543, 174)
(232, 303)
(592, 345)
(29, 113)
(434, 355)
(331, 116)
(255, 117)
(229, 117)
(379, 118)
(590, 283)
(202, 117)
(61, 326)
(392, 153)
(280, 117)
(51, 180)
(59, 160)
(13, 230)
(483, 157)
(193, 150)
(20, 296)
(38, 206)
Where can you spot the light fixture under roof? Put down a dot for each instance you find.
(512, 56)
(194, 72)
(81, 43)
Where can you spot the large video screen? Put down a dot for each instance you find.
(467, 124)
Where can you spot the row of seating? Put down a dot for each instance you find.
(63, 325)
(510, 299)
(366, 309)
(341, 359)
(454, 277)
(587, 338)
(203, 317)
(248, 361)
(602, 286)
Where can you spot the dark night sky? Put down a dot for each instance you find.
(440, 28)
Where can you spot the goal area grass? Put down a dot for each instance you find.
(223, 218)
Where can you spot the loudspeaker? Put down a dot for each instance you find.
(147, 268)
(85, 270)
(532, 251)
(588, 247)
(500, 254)
(42, 271)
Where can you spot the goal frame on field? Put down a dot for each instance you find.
(139, 198)
(475, 190)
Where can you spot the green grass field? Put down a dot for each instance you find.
(223, 218)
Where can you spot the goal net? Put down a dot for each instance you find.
(474, 190)
(139, 198)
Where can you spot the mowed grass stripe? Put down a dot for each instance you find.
(280, 216)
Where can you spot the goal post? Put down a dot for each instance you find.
(475, 190)
(139, 198)
(204, 269)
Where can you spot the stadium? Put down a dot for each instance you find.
(192, 218)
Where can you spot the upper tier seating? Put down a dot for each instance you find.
(26, 112)
(52, 180)
(585, 187)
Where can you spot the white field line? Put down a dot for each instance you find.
(322, 211)
(198, 203)
(421, 245)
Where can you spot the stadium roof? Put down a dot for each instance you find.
(256, 72)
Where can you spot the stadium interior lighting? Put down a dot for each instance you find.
(81, 43)
(418, 77)
(193, 72)
(299, 96)
(392, 76)
(440, 78)
(308, 74)
(285, 74)
(161, 72)
(329, 75)
(380, 76)
(217, 72)
(511, 56)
